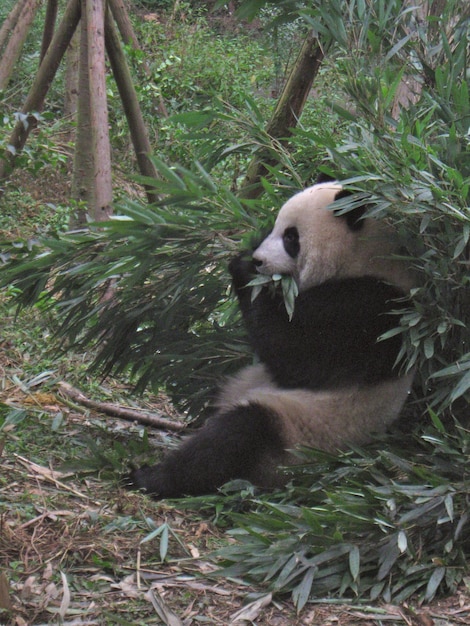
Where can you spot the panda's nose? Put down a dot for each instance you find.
(262, 255)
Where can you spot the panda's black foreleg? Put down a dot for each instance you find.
(244, 442)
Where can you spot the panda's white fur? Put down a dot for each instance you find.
(328, 248)
(324, 380)
(352, 415)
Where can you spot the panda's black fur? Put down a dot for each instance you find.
(324, 379)
(348, 316)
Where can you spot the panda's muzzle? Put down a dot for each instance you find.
(275, 255)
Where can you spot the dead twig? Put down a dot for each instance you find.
(43, 473)
(149, 419)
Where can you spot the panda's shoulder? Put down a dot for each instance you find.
(353, 287)
(360, 298)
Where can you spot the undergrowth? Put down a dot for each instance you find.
(375, 523)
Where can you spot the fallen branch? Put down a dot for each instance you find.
(149, 419)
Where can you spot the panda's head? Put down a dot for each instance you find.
(313, 242)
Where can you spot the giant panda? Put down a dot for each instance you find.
(323, 377)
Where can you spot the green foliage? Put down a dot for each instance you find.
(417, 169)
(165, 321)
(391, 524)
(12, 417)
(17, 425)
(25, 69)
(193, 65)
(148, 287)
(163, 533)
(23, 214)
(414, 167)
(286, 284)
(41, 151)
(373, 524)
(104, 454)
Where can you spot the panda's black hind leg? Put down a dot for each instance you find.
(244, 442)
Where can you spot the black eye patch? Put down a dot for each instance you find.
(291, 242)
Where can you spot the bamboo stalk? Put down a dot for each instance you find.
(95, 12)
(15, 43)
(10, 22)
(49, 25)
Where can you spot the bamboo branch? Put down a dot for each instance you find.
(113, 410)
(10, 22)
(124, 24)
(49, 25)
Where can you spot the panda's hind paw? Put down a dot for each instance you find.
(135, 478)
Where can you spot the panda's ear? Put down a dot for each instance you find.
(354, 216)
(324, 177)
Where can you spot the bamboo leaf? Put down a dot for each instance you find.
(461, 388)
(164, 542)
(434, 582)
(301, 593)
(402, 541)
(449, 504)
(354, 562)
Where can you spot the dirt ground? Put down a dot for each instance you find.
(79, 549)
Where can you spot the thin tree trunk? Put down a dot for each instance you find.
(130, 103)
(83, 176)
(42, 82)
(16, 41)
(123, 22)
(128, 35)
(10, 22)
(49, 25)
(72, 65)
(287, 112)
(95, 11)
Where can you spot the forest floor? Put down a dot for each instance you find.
(76, 548)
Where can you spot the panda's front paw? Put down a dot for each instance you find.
(242, 269)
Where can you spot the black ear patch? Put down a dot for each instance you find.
(290, 239)
(323, 177)
(354, 217)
